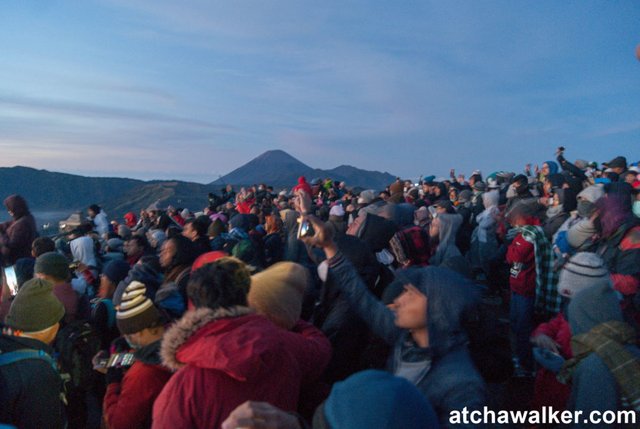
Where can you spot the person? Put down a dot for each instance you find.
(484, 241)
(424, 328)
(17, 235)
(277, 293)
(99, 219)
(83, 253)
(54, 268)
(103, 313)
(225, 354)
(31, 386)
(605, 369)
(195, 229)
(134, 248)
(442, 232)
(532, 280)
(42, 245)
(130, 395)
(619, 247)
(552, 340)
(368, 399)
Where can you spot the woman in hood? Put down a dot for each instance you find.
(443, 230)
(484, 241)
(17, 235)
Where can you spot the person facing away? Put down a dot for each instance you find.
(17, 235)
(224, 354)
(31, 385)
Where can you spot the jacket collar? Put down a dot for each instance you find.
(188, 325)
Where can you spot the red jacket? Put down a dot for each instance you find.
(128, 404)
(229, 356)
(521, 256)
(548, 391)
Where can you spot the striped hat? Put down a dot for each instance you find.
(582, 270)
(136, 311)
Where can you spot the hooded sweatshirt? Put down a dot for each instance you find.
(449, 225)
(17, 235)
(444, 371)
(225, 357)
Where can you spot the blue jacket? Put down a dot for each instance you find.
(452, 382)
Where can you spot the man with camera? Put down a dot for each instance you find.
(135, 380)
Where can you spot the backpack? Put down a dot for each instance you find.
(410, 246)
(76, 344)
(111, 311)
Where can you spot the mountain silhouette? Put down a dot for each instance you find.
(281, 170)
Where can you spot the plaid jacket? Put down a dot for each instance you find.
(547, 301)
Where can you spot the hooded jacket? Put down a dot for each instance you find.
(17, 235)
(449, 225)
(128, 404)
(225, 357)
(451, 381)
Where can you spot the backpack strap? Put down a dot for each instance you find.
(24, 354)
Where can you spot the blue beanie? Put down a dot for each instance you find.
(116, 270)
(378, 399)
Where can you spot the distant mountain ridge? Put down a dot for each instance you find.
(51, 191)
(281, 170)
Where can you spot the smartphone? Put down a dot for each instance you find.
(305, 229)
(120, 360)
(12, 279)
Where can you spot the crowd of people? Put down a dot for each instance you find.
(326, 306)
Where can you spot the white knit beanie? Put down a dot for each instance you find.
(581, 271)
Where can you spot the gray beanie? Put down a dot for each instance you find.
(581, 271)
(136, 312)
(35, 308)
(52, 264)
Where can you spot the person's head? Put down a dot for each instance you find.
(16, 206)
(135, 246)
(93, 210)
(35, 311)
(42, 245)
(593, 306)
(453, 194)
(224, 283)
(618, 164)
(177, 251)
(112, 273)
(124, 232)
(549, 168)
(581, 271)
(587, 200)
(522, 213)
(137, 317)
(375, 399)
(195, 228)
(277, 293)
(53, 267)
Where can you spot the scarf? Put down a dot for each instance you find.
(607, 340)
(547, 300)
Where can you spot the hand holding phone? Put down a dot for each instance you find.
(11, 279)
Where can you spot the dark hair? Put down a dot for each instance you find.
(186, 251)
(42, 245)
(141, 241)
(224, 283)
(94, 208)
(200, 224)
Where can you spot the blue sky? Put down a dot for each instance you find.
(193, 89)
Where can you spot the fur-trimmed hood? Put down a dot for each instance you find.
(233, 340)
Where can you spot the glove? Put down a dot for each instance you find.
(115, 374)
